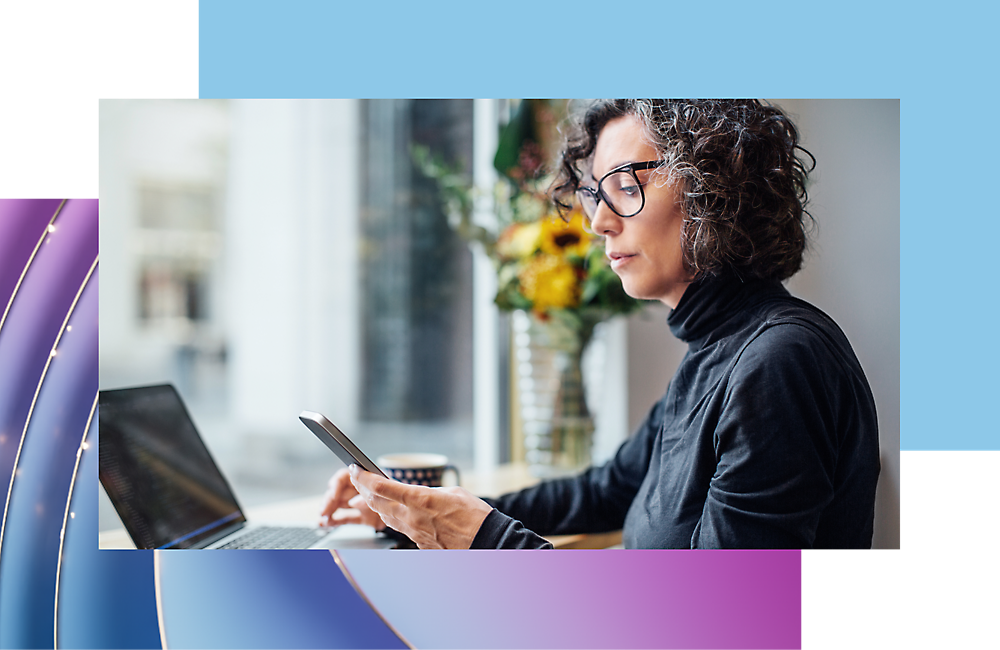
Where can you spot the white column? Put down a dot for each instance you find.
(292, 260)
(486, 407)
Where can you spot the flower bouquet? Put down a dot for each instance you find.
(548, 263)
(551, 272)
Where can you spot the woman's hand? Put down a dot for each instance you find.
(343, 505)
(431, 517)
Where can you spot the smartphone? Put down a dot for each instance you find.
(340, 444)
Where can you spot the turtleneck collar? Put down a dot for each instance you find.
(710, 301)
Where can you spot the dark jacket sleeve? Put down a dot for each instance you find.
(776, 445)
(500, 531)
(592, 502)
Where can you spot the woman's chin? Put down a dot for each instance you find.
(640, 292)
(632, 291)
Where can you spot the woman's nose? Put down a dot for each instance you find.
(605, 221)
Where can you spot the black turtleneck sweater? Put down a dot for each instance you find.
(766, 438)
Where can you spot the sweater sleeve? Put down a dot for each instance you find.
(595, 501)
(775, 444)
(500, 531)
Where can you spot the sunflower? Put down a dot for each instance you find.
(566, 238)
(549, 281)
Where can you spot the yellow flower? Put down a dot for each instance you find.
(564, 238)
(519, 240)
(549, 281)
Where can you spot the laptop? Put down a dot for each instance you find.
(168, 491)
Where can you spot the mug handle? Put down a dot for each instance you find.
(458, 477)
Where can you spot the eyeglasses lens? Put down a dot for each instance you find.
(588, 201)
(620, 190)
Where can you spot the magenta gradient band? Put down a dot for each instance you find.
(586, 599)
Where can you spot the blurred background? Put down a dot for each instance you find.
(268, 257)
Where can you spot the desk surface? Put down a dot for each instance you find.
(506, 478)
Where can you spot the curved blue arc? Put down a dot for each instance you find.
(264, 599)
(106, 598)
(68, 515)
(354, 583)
(40, 489)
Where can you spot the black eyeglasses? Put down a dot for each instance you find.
(620, 189)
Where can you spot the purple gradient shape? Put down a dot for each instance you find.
(264, 599)
(35, 318)
(22, 222)
(586, 599)
(41, 487)
(105, 600)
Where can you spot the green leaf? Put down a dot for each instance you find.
(591, 289)
(519, 130)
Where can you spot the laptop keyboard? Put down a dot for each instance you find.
(276, 537)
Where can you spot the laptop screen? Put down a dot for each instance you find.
(157, 471)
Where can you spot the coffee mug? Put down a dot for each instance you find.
(417, 469)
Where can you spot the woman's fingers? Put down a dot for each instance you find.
(346, 516)
(431, 517)
(343, 505)
(393, 513)
(384, 496)
(340, 490)
(384, 487)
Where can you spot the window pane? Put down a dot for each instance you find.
(416, 272)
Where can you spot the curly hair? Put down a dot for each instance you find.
(741, 184)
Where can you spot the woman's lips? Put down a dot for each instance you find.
(618, 260)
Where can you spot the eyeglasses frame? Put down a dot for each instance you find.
(631, 168)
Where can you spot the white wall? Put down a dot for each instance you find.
(851, 271)
(163, 142)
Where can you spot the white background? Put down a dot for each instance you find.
(58, 58)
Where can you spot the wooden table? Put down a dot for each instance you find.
(515, 476)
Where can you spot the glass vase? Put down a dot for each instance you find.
(557, 425)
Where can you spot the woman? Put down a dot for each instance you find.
(767, 435)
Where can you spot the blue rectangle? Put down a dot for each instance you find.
(940, 61)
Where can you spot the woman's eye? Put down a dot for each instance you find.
(625, 184)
